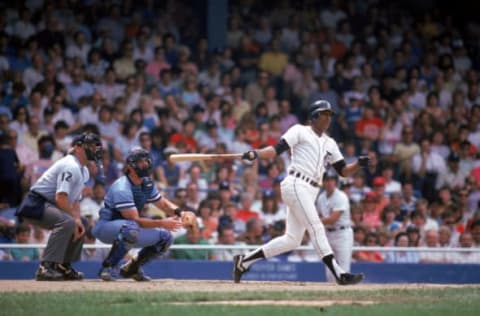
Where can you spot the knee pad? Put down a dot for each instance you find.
(129, 233)
(156, 250)
(126, 239)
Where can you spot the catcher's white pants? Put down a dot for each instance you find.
(302, 215)
(341, 242)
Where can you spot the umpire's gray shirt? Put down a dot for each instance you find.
(66, 175)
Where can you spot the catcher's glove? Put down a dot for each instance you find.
(189, 219)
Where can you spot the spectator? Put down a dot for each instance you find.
(90, 206)
(466, 241)
(427, 166)
(270, 211)
(431, 241)
(22, 236)
(78, 87)
(47, 155)
(414, 236)
(402, 240)
(273, 60)
(226, 236)
(253, 234)
(125, 65)
(453, 177)
(194, 175)
(92, 254)
(192, 237)
(367, 255)
(245, 212)
(388, 219)
(10, 172)
(404, 151)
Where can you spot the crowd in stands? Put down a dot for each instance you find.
(405, 88)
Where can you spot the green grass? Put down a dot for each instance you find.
(428, 301)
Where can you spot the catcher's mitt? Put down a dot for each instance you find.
(189, 219)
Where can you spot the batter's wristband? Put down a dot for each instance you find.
(178, 211)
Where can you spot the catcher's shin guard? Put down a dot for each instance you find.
(132, 269)
(125, 241)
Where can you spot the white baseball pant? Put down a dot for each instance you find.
(341, 242)
(302, 215)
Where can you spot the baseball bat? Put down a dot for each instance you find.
(199, 157)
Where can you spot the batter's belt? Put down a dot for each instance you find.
(334, 229)
(303, 177)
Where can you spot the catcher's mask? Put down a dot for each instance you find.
(91, 144)
(134, 158)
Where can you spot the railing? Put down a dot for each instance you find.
(249, 247)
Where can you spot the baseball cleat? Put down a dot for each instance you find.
(238, 269)
(106, 274)
(350, 278)
(47, 272)
(131, 269)
(69, 273)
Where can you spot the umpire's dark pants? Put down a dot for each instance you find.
(60, 247)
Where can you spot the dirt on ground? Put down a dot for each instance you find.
(191, 286)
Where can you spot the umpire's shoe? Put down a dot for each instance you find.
(68, 272)
(350, 278)
(238, 269)
(47, 272)
(132, 269)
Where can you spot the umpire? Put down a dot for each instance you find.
(53, 203)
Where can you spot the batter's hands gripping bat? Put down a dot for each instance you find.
(199, 157)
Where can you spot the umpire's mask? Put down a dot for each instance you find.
(92, 145)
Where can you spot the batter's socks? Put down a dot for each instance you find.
(332, 264)
(252, 257)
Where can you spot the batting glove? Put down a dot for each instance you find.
(250, 155)
(363, 161)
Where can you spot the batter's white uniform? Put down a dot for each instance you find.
(309, 155)
(340, 234)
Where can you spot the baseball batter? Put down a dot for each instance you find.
(333, 208)
(121, 225)
(311, 150)
(53, 203)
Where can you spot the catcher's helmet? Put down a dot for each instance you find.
(319, 106)
(137, 154)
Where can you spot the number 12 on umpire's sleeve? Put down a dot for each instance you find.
(66, 176)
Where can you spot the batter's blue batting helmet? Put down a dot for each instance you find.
(319, 106)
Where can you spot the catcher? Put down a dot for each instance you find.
(121, 225)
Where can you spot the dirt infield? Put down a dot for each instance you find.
(192, 286)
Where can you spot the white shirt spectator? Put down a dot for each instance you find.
(31, 77)
(74, 50)
(76, 91)
(64, 114)
(435, 163)
(393, 186)
(89, 207)
(330, 17)
(88, 115)
(22, 29)
(417, 100)
(110, 92)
